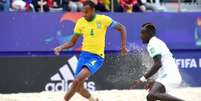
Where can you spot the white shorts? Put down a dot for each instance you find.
(170, 81)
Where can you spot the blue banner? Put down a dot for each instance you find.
(31, 32)
(44, 31)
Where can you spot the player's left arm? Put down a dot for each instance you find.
(109, 22)
(122, 29)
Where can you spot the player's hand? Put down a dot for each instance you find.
(57, 50)
(124, 50)
(136, 83)
(149, 84)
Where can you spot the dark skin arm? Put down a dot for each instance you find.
(122, 29)
(154, 69)
(156, 66)
(66, 45)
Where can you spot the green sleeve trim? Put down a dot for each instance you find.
(78, 33)
(155, 55)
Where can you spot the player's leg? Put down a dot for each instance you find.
(158, 92)
(91, 63)
(85, 93)
(154, 89)
(79, 80)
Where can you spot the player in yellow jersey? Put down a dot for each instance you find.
(92, 27)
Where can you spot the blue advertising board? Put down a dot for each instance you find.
(189, 64)
(41, 32)
(44, 31)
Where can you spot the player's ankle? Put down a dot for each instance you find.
(91, 98)
(65, 99)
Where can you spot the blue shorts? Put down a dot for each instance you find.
(92, 61)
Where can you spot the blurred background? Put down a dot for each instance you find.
(101, 5)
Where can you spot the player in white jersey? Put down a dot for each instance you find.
(164, 64)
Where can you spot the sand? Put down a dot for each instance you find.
(188, 94)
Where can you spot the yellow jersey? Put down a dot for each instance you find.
(93, 33)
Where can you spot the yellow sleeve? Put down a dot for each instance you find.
(77, 28)
(107, 20)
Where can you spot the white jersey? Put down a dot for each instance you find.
(169, 72)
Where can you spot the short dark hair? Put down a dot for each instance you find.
(149, 28)
(89, 3)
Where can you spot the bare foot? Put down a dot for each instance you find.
(64, 99)
(97, 99)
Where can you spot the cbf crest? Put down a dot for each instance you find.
(98, 24)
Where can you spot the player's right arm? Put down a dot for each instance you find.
(156, 66)
(155, 52)
(67, 45)
(145, 78)
(75, 37)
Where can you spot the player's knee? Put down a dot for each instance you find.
(80, 90)
(65, 98)
(151, 96)
(76, 83)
